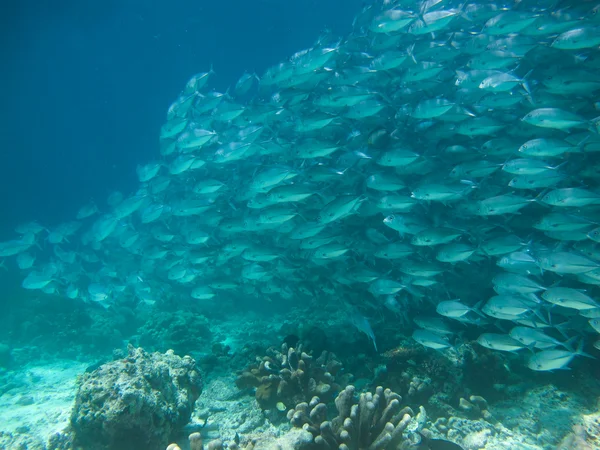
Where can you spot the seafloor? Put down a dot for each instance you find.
(474, 397)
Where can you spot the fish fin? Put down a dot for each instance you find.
(410, 52)
(538, 313)
(538, 198)
(3, 265)
(595, 128)
(534, 298)
(531, 347)
(568, 344)
(501, 327)
(230, 203)
(477, 308)
(559, 166)
(525, 83)
(559, 327)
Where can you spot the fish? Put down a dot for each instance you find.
(550, 360)
(434, 236)
(431, 340)
(37, 280)
(25, 260)
(499, 342)
(519, 262)
(509, 305)
(577, 38)
(453, 309)
(87, 210)
(554, 118)
(571, 197)
(15, 246)
(434, 151)
(567, 263)
(536, 338)
(363, 325)
(455, 252)
(569, 298)
(433, 324)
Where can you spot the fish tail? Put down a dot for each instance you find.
(579, 351)
(410, 52)
(477, 308)
(568, 344)
(539, 315)
(538, 198)
(595, 128)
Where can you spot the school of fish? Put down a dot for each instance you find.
(440, 164)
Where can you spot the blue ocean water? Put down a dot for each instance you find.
(85, 85)
(408, 192)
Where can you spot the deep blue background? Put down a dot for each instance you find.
(85, 85)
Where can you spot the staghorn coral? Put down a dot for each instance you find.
(135, 403)
(287, 377)
(376, 422)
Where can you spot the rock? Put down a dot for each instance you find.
(295, 439)
(136, 403)
(575, 440)
(476, 440)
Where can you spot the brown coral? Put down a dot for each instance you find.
(291, 376)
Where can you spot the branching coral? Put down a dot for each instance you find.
(376, 422)
(284, 378)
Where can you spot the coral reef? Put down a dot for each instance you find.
(446, 381)
(63, 328)
(183, 331)
(514, 411)
(480, 434)
(376, 421)
(585, 434)
(135, 403)
(222, 411)
(290, 376)
(197, 443)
